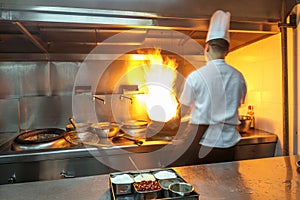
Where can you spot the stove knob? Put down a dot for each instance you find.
(12, 179)
(66, 174)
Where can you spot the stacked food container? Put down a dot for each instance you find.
(150, 184)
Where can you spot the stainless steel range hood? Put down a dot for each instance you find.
(68, 30)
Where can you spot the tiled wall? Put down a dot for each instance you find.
(261, 66)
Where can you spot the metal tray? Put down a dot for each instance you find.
(133, 195)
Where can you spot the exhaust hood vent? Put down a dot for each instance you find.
(68, 30)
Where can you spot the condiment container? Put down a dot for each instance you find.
(122, 183)
(165, 183)
(250, 112)
(164, 174)
(147, 190)
(180, 189)
(143, 177)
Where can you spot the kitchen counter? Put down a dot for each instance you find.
(248, 144)
(256, 144)
(266, 178)
(253, 136)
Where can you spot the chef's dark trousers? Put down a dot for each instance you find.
(215, 155)
(199, 154)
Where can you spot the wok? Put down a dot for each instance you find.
(135, 128)
(101, 129)
(40, 139)
(105, 129)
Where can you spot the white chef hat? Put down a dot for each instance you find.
(219, 26)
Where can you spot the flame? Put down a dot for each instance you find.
(160, 75)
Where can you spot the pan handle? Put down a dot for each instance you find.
(71, 119)
(136, 141)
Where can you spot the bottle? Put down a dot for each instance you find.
(250, 112)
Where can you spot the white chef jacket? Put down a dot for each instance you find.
(215, 91)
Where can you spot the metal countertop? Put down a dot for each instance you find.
(252, 137)
(255, 136)
(267, 178)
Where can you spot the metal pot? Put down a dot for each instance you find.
(135, 128)
(244, 126)
(105, 129)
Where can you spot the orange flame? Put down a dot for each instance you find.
(160, 75)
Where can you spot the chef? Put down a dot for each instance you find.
(213, 93)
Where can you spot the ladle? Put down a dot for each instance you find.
(137, 169)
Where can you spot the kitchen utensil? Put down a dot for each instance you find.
(122, 183)
(147, 189)
(105, 129)
(244, 126)
(40, 139)
(134, 124)
(72, 122)
(81, 138)
(136, 141)
(137, 169)
(77, 126)
(39, 136)
(135, 128)
(298, 166)
(96, 144)
(165, 183)
(180, 189)
(165, 174)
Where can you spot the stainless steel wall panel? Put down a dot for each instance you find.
(62, 76)
(119, 108)
(45, 112)
(9, 80)
(23, 78)
(9, 115)
(34, 78)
